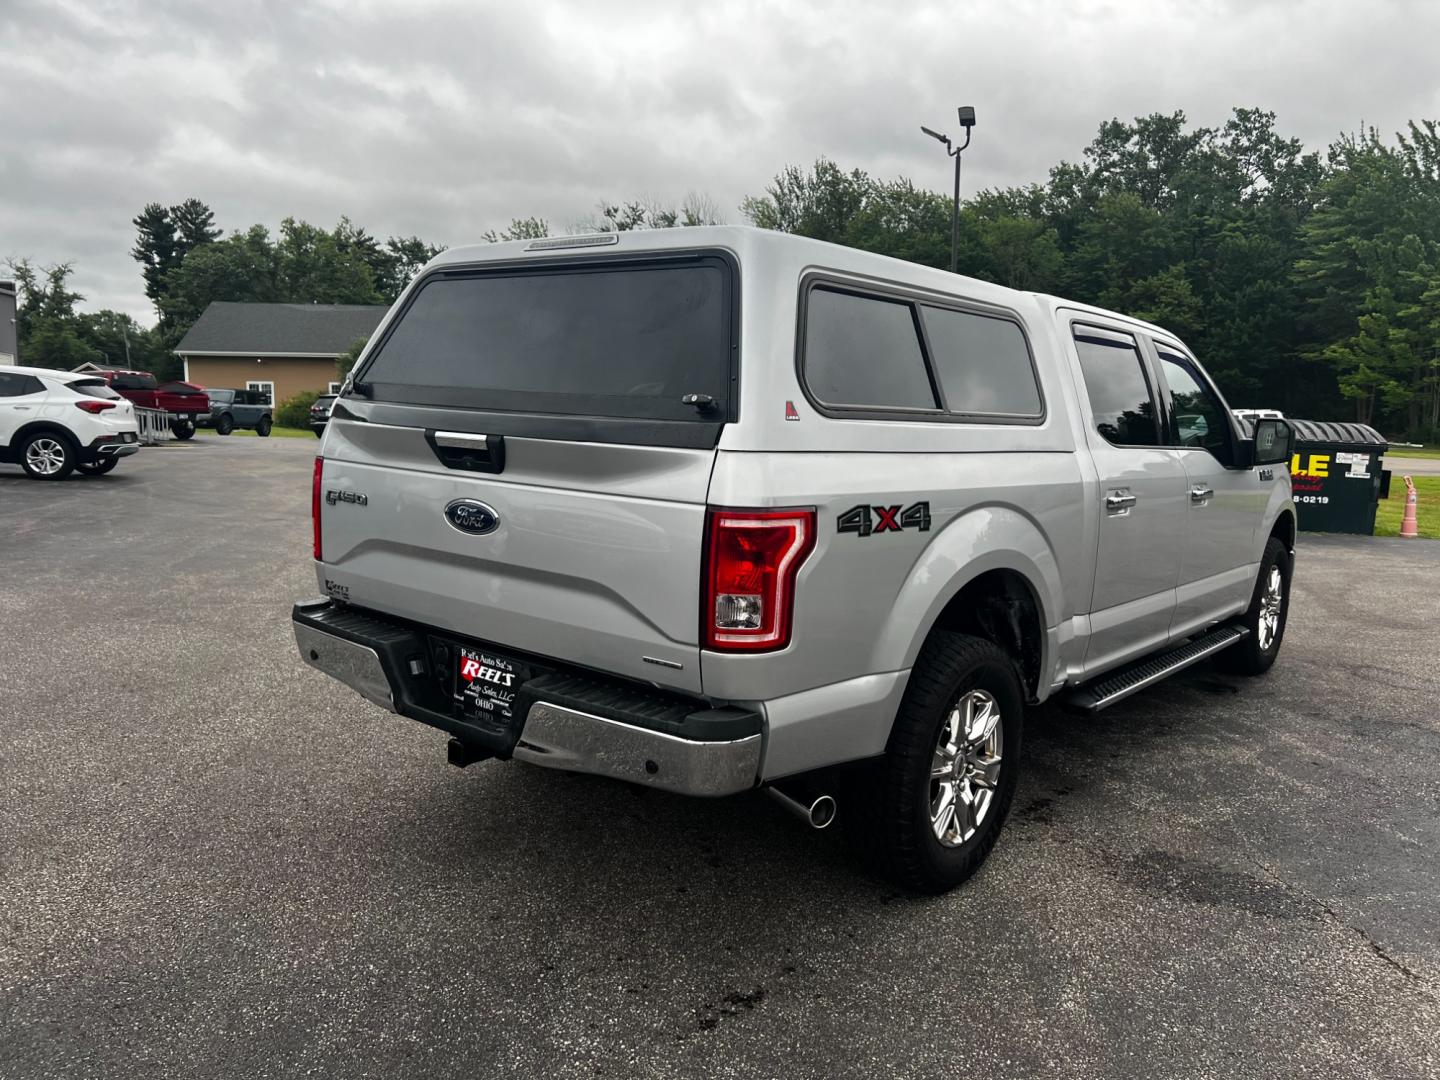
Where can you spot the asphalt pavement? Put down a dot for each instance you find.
(1413, 466)
(215, 862)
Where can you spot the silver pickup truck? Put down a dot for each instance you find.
(718, 509)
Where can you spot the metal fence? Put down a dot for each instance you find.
(154, 426)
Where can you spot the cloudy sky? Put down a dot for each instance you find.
(446, 119)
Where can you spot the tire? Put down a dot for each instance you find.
(182, 430)
(47, 455)
(1265, 618)
(225, 424)
(99, 468)
(890, 811)
(263, 427)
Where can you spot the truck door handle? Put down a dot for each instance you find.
(1200, 494)
(1119, 500)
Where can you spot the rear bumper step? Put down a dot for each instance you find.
(1118, 685)
(563, 719)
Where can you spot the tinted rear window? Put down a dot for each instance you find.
(1118, 388)
(98, 388)
(13, 384)
(134, 382)
(863, 351)
(615, 341)
(983, 364)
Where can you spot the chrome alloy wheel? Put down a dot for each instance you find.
(45, 456)
(965, 769)
(1270, 600)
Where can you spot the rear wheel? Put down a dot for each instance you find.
(1265, 618)
(183, 429)
(47, 455)
(927, 814)
(263, 427)
(225, 424)
(99, 468)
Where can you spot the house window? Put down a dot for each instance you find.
(334, 388)
(265, 388)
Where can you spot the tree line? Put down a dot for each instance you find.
(186, 263)
(1307, 281)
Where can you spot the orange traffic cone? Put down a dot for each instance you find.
(1409, 527)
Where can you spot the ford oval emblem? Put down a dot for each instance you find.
(472, 516)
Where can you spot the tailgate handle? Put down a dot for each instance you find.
(463, 450)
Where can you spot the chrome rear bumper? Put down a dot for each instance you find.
(357, 666)
(555, 736)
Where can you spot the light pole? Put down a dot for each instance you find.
(967, 121)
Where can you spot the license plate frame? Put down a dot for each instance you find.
(485, 684)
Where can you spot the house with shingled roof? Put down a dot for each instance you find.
(279, 349)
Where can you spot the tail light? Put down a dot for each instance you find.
(315, 506)
(94, 407)
(751, 559)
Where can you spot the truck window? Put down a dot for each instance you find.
(864, 352)
(133, 381)
(982, 363)
(1196, 417)
(627, 341)
(1119, 391)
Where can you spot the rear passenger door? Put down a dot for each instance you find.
(246, 410)
(1226, 504)
(1141, 500)
(20, 397)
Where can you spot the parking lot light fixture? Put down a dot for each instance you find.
(966, 115)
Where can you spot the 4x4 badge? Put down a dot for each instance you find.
(472, 516)
(858, 519)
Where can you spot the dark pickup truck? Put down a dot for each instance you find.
(182, 402)
(231, 409)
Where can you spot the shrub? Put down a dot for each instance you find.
(296, 411)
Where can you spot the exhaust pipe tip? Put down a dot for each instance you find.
(822, 812)
(818, 813)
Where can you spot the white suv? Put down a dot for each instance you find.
(52, 422)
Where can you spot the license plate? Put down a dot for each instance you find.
(486, 684)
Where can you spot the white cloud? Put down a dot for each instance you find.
(445, 119)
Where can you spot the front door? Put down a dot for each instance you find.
(1226, 505)
(1141, 500)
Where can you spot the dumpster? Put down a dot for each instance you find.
(1336, 476)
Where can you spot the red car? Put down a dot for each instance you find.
(182, 401)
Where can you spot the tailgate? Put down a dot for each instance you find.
(594, 557)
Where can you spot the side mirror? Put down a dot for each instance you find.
(1269, 444)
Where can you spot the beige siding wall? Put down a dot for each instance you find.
(290, 375)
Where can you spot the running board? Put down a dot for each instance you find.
(1118, 685)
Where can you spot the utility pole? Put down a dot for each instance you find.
(967, 121)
